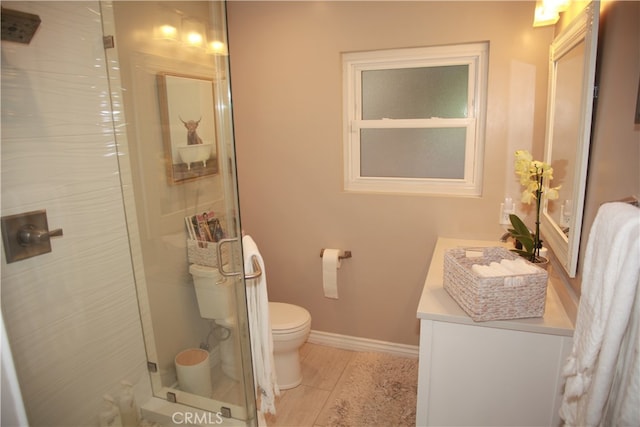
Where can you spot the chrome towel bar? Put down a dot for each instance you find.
(257, 271)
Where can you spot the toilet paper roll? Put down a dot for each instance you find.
(330, 266)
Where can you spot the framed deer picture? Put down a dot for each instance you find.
(187, 115)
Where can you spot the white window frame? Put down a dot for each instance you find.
(475, 55)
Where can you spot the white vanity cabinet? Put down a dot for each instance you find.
(496, 373)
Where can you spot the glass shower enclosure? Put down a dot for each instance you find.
(169, 68)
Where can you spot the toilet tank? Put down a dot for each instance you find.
(213, 292)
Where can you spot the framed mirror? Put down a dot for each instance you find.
(188, 126)
(572, 60)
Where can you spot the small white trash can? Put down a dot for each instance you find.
(194, 372)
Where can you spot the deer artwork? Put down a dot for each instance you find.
(192, 135)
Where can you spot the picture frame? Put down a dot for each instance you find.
(187, 116)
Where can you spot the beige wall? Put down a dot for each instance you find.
(287, 92)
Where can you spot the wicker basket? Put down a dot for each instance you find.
(202, 253)
(493, 298)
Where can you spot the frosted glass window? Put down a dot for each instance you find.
(414, 119)
(415, 93)
(413, 153)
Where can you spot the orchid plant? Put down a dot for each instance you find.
(534, 177)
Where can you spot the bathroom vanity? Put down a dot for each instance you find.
(495, 373)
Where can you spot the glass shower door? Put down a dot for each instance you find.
(169, 72)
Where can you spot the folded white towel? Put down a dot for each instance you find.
(511, 270)
(260, 330)
(501, 269)
(519, 266)
(473, 254)
(609, 284)
(483, 270)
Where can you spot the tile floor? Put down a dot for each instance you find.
(307, 405)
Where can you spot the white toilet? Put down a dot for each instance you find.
(290, 324)
(214, 296)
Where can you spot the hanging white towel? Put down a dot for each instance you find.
(623, 407)
(260, 330)
(609, 284)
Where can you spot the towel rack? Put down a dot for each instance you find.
(257, 271)
(632, 200)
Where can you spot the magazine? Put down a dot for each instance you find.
(204, 227)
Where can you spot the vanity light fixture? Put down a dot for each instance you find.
(545, 15)
(193, 32)
(215, 36)
(166, 32)
(560, 5)
(174, 26)
(547, 12)
(217, 47)
(168, 24)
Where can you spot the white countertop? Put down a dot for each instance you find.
(436, 304)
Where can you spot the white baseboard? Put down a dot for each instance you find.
(347, 342)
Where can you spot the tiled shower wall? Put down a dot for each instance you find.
(71, 315)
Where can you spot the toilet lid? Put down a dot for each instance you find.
(287, 316)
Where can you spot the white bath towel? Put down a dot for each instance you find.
(505, 267)
(623, 408)
(260, 330)
(492, 270)
(519, 266)
(609, 283)
(496, 269)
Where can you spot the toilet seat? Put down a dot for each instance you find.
(290, 327)
(288, 318)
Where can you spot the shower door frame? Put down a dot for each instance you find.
(227, 168)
